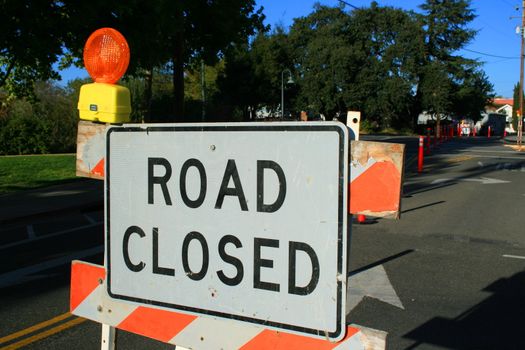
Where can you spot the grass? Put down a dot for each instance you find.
(27, 172)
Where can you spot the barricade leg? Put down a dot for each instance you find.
(108, 338)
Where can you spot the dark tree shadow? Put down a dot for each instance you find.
(496, 323)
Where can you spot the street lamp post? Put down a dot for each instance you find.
(290, 81)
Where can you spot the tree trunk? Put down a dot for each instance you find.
(178, 77)
(438, 126)
(415, 108)
(147, 95)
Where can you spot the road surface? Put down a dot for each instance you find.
(448, 275)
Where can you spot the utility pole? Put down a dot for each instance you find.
(522, 32)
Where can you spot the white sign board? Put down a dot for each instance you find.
(241, 221)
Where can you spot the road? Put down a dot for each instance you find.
(448, 275)
(460, 245)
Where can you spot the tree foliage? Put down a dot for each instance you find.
(31, 39)
(448, 82)
(46, 124)
(516, 105)
(386, 62)
(35, 33)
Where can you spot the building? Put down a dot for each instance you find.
(502, 106)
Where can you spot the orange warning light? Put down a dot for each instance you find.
(106, 55)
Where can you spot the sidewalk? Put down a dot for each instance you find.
(70, 196)
(512, 139)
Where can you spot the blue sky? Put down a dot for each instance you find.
(496, 33)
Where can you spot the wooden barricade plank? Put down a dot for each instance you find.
(376, 178)
(91, 149)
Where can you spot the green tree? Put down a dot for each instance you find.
(472, 95)
(252, 74)
(392, 40)
(238, 86)
(201, 88)
(35, 34)
(436, 90)
(445, 25)
(199, 29)
(325, 59)
(365, 61)
(31, 37)
(45, 124)
(516, 105)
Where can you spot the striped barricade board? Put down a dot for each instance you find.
(376, 178)
(91, 149)
(89, 299)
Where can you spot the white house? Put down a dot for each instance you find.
(503, 106)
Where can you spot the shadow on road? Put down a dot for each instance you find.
(496, 323)
(423, 206)
(380, 262)
(43, 281)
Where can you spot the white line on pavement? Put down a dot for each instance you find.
(445, 155)
(514, 256)
(485, 151)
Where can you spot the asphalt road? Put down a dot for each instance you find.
(457, 251)
(448, 275)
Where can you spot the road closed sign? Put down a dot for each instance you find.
(244, 221)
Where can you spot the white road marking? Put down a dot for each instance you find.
(514, 256)
(485, 151)
(447, 155)
(372, 283)
(482, 180)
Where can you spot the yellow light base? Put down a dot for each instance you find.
(105, 103)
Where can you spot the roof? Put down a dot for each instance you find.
(503, 101)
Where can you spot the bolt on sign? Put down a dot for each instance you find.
(240, 221)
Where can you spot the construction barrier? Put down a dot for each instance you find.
(223, 309)
(420, 155)
(89, 299)
(376, 170)
(375, 174)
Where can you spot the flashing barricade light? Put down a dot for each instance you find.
(106, 57)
